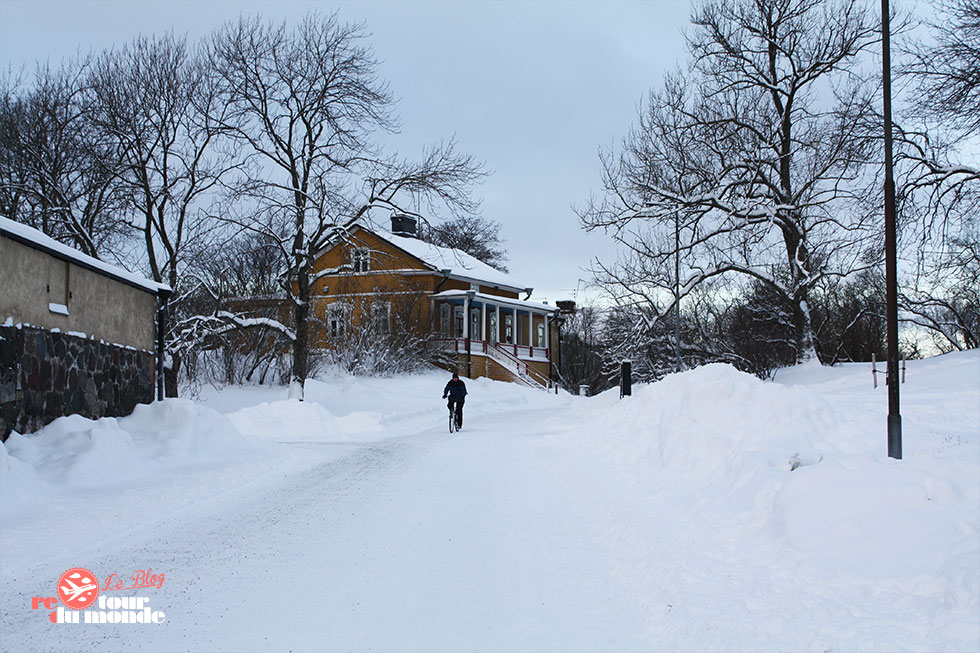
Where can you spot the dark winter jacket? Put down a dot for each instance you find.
(456, 390)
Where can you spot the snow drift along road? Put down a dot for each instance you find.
(710, 511)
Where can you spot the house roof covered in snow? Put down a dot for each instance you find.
(38, 240)
(455, 263)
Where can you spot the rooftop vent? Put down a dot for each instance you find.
(403, 225)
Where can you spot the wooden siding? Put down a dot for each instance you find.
(407, 283)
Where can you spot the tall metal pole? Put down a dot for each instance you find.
(677, 291)
(891, 274)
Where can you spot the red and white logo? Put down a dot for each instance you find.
(78, 588)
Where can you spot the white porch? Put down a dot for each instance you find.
(515, 334)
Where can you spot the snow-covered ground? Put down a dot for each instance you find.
(710, 511)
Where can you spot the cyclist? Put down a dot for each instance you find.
(456, 391)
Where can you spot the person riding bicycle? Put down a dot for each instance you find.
(456, 391)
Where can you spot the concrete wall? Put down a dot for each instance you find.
(45, 375)
(98, 306)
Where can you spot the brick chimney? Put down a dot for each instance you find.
(403, 225)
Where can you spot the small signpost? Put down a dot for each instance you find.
(626, 379)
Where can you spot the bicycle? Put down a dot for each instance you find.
(452, 420)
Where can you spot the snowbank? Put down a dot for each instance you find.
(292, 420)
(799, 473)
(75, 453)
(705, 424)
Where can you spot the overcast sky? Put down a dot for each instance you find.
(534, 89)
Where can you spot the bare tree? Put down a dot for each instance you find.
(154, 105)
(939, 177)
(749, 162)
(944, 298)
(945, 73)
(306, 103)
(581, 362)
(478, 237)
(55, 173)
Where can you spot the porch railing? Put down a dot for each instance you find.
(507, 356)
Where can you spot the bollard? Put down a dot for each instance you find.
(626, 379)
(874, 370)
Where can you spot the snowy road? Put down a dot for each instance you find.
(479, 541)
(709, 512)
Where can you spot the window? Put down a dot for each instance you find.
(338, 317)
(509, 329)
(540, 336)
(360, 259)
(458, 321)
(475, 324)
(59, 287)
(381, 317)
(445, 324)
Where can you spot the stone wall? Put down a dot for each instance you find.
(45, 375)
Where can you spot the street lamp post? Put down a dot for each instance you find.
(891, 274)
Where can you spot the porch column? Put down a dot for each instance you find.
(500, 327)
(547, 333)
(483, 321)
(466, 333)
(515, 330)
(530, 328)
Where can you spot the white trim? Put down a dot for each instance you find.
(360, 259)
(500, 326)
(371, 294)
(496, 299)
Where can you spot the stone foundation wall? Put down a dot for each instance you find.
(45, 375)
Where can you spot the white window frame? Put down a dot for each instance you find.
(459, 326)
(445, 320)
(338, 319)
(381, 316)
(360, 259)
(476, 330)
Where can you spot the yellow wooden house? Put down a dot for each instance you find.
(474, 315)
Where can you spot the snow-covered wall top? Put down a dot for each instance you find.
(24, 233)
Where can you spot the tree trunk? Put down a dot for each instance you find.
(797, 256)
(301, 315)
(170, 376)
(301, 351)
(805, 348)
